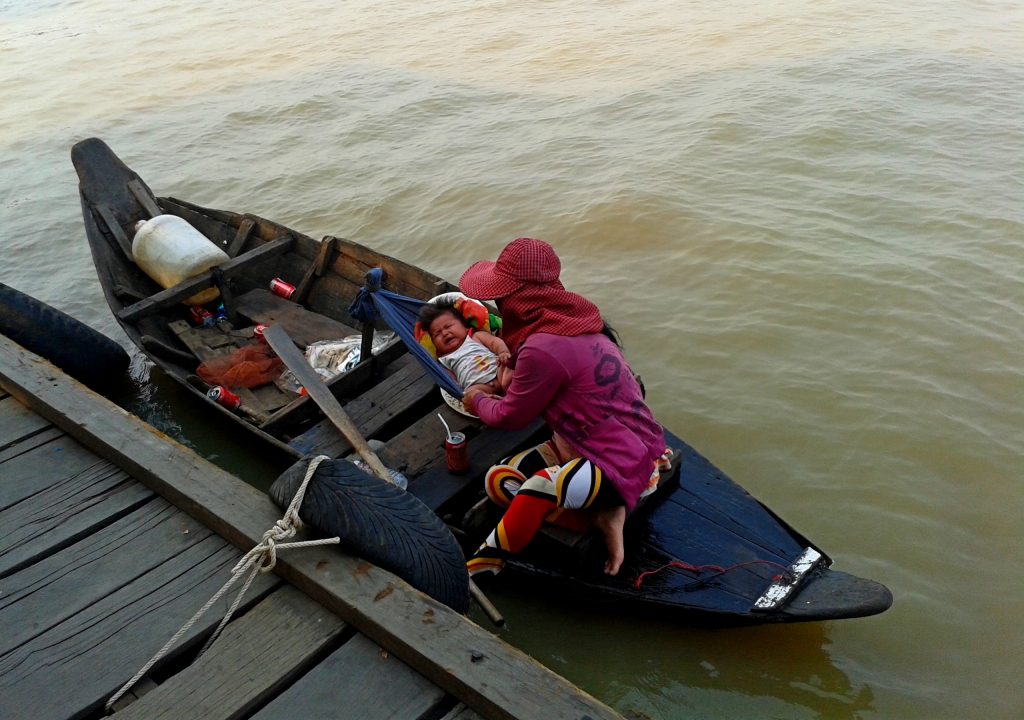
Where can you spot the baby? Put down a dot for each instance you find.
(474, 357)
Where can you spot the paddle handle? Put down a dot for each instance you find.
(279, 341)
(486, 605)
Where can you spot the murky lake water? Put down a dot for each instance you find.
(807, 220)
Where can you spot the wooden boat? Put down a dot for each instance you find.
(701, 548)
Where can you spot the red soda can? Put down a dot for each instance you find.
(222, 396)
(280, 287)
(200, 316)
(456, 452)
(257, 332)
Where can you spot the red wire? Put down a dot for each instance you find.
(701, 568)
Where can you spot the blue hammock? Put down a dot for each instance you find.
(400, 314)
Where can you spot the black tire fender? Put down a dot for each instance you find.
(85, 354)
(381, 523)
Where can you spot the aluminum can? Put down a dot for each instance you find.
(257, 332)
(280, 287)
(222, 396)
(222, 313)
(456, 453)
(201, 316)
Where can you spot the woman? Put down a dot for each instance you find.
(567, 370)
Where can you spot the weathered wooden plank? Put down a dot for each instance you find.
(71, 668)
(372, 410)
(466, 660)
(159, 348)
(145, 198)
(30, 443)
(45, 466)
(66, 512)
(373, 684)
(251, 661)
(353, 261)
(49, 592)
(421, 445)
(187, 288)
(244, 231)
(461, 712)
(206, 343)
(17, 422)
(220, 226)
(436, 486)
(122, 239)
(271, 397)
(315, 270)
(304, 327)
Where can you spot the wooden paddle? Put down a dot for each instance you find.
(279, 341)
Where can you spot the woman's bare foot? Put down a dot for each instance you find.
(610, 522)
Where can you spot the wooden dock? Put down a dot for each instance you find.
(112, 535)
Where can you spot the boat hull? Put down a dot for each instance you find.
(701, 547)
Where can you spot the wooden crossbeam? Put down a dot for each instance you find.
(315, 269)
(244, 231)
(188, 288)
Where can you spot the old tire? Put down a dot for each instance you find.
(381, 523)
(85, 354)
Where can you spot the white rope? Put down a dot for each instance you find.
(260, 559)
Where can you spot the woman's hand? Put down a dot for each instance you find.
(472, 394)
(503, 358)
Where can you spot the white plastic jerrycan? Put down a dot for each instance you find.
(170, 250)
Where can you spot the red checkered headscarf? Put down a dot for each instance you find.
(531, 299)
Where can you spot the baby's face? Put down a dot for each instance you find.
(448, 333)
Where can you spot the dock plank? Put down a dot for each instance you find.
(30, 443)
(75, 658)
(74, 578)
(359, 681)
(17, 422)
(251, 661)
(50, 464)
(464, 659)
(64, 513)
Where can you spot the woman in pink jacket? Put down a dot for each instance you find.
(568, 370)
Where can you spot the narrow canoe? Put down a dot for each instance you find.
(701, 549)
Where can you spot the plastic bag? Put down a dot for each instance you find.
(333, 357)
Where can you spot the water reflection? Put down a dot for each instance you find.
(647, 668)
(161, 402)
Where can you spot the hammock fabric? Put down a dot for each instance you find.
(400, 314)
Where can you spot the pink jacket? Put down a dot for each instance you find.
(587, 394)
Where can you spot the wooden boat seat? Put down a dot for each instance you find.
(303, 326)
(407, 386)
